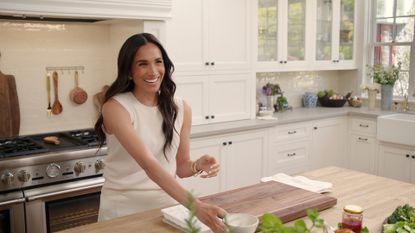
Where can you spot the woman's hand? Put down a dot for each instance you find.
(211, 216)
(209, 165)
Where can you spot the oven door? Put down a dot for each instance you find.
(12, 212)
(58, 207)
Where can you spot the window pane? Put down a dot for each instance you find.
(324, 22)
(384, 29)
(267, 30)
(381, 55)
(384, 8)
(401, 86)
(296, 30)
(401, 54)
(404, 29)
(405, 7)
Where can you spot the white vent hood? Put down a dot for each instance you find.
(88, 9)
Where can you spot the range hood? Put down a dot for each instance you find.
(85, 10)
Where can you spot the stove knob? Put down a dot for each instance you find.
(53, 170)
(23, 176)
(99, 165)
(7, 178)
(79, 167)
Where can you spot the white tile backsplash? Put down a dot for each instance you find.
(28, 48)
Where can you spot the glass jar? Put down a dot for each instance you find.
(352, 218)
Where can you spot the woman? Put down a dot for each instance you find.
(147, 131)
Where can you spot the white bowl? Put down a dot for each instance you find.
(242, 223)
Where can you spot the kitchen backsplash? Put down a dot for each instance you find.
(28, 48)
(295, 84)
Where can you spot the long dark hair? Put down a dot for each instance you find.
(165, 102)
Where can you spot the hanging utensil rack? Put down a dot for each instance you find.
(65, 68)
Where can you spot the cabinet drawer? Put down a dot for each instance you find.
(290, 132)
(288, 155)
(364, 126)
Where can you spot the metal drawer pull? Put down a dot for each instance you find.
(362, 139)
(364, 126)
(14, 201)
(292, 132)
(289, 155)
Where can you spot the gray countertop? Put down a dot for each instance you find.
(289, 116)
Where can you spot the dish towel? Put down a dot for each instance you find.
(301, 182)
(176, 216)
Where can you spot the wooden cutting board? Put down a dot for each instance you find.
(9, 104)
(287, 202)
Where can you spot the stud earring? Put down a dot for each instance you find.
(130, 78)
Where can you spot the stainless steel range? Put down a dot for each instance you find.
(56, 182)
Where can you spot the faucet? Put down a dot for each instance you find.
(404, 104)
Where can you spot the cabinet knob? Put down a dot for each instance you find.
(212, 63)
(206, 117)
(224, 143)
(230, 142)
(315, 127)
(285, 62)
(407, 155)
(206, 63)
(281, 62)
(212, 116)
(413, 156)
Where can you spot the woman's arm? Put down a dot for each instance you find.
(117, 121)
(207, 163)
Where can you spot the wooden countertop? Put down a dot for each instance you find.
(377, 195)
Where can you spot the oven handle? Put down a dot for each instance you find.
(14, 201)
(55, 190)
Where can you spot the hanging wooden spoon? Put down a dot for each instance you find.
(78, 95)
(57, 106)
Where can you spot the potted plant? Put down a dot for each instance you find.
(386, 76)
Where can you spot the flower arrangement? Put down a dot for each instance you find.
(270, 89)
(384, 75)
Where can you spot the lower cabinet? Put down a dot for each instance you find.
(240, 155)
(397, 162)
(289, 158)
(328, 143)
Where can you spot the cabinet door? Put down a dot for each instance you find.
(395, 162)
(334, 34)
(229, 34)
(200, 186)
(194, 90)
(186, 36)
(328, 143)
(243, 158)
(362, 153)
(290, 158)
(229, 97)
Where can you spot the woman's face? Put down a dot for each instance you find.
(147, 69)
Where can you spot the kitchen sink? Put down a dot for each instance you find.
(397, 128)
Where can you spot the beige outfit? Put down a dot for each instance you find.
(127, 188)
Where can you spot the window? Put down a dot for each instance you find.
(392, 41)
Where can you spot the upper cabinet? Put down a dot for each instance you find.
(282, 29)
(210, 35)
(334, 34)
(100, 9)
(294, 35)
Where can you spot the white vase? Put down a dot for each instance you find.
(271, 100)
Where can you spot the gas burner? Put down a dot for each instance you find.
(19, 146)
(87, 136)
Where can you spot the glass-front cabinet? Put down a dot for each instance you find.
(296, 35)
(334, 34)
(282, 30)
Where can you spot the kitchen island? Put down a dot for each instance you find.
(378, 196)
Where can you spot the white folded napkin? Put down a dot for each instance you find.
(301, 182)
(176, 216)
(268, 117)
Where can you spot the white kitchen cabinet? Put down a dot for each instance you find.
(362, 145)
(397, 162)
(289, 148)
(200, 186)
(241, 157)
(328, 145)
(281, 34)
(334, 32)
(100, 9)
(210, 35)
(217, 97)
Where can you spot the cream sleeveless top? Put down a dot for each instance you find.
(127, 188)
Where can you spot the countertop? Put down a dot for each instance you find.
(289, 116)
(378, 196)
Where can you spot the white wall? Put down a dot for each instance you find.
(28, 48)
